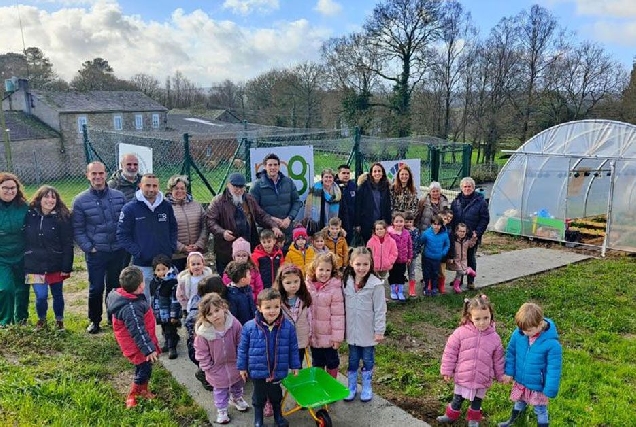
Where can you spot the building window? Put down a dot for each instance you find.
(81, 121)
(117, 123)
(139, 121)
(155, 121)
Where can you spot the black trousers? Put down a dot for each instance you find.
(266, 390)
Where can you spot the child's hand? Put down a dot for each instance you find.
(174, 320)
(506, 379)
(408, 262)
(335, 345)
(295, 372)
(378, 337)
(447, 378)
(243, 375)
(152, 357)
(474, 234)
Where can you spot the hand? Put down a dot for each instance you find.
(285, 223)
(243, 375)
(295, 372)
(474, 234)
(277, 221)
(335, 345)
(378, 337)
(192, 248)
(506, 379)
(65, 274)
(277, 232)
(228, 236)
(357, 228)
(173, 320)
(93, 250)
(152, 357)
(447, 378)
(408, 262)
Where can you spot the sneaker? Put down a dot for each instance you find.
(239, 403)
(172, 353)
(434, 292)
(268, 411)
(93, 328)
(59, 324)
(427, 293)
(40, 325)
(222, 417)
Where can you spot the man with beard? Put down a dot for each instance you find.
(127, 178)
(233, 214)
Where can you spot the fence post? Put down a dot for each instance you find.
(7, 141)
(357, 154)
(433, 155)
(87, 151)
(467, 156)
(187, 160)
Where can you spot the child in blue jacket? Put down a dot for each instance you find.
(267, 351)
(533, 360)
(436, 243)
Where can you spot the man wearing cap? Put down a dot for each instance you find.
(233, 214)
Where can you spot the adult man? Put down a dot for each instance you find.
(348, 191)
(233, 214)
(127, 178)
(277, 195)
(95, 215)
(147, 227)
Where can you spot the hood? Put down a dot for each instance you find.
(260, 252)
(362, 178)
(325, 231)
(334, 281)
(139, 195)
(207, 331)
(373, 281)
(118, 298)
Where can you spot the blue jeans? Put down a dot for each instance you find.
(103, 275)
(540, 410)
(148, 273)
(357, 353)
(42, 300)
(430, 271)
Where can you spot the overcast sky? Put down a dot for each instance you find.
(211, 40)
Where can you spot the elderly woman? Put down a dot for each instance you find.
(324, 202)
(403, 191)
(192, 234)
(14, 295)
(373, 200)
(432, 204)
(48, 258)
(470, 208)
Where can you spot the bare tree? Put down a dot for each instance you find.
(147, 84)
(226, 95)
(309, 86)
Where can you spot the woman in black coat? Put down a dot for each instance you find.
(373, 200)
(48, 257)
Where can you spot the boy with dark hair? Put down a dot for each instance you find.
(268, 350)
(268, 257)
(239, 292)
(134, 329)
(348, 189)
(165, 305)
(336, 242)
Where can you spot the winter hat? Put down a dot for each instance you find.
(300, 232)
(240, 245)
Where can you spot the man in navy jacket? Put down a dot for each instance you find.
(147, 227)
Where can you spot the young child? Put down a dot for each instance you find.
(267, 351)
(239, 294)
(533, 360)
(327, 313)
(336, 242)
(436, 244)
(404, 247)
(241, 253)
(318, 243)
(473, 356)
(409, 224)
(366, 319)
(268, 257)
(383, 248)
(195, 271)
(300, 253)
(166, 307)
(458, 261)
(447, 219)
(134, 329)
(217, 337)
(296, 303)
(211, 284)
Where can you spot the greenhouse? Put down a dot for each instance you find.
(572, 182)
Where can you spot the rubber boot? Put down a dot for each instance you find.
(166, 345)
(144, 392)
(473, 417)
(441, 284)
(172, 354)
(333, 372)
(131, 399)
(510, 421)
(457, 286)
(471, 272)
(258, 416)
(412, 288)
(394, 295)
(352, 377)
(450, 416)
(278, 416)
(367, 391)
(400, 292)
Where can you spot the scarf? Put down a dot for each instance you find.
(321, 206)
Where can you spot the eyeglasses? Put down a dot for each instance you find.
(7, 189)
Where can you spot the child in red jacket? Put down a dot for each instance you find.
(134, 328)
(268, 257)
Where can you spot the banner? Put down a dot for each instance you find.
(392, 167)
(144, 155)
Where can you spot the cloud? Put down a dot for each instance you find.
(328, 7)
(205, 50)
(245, 7)
(602, 8)
(622, 34)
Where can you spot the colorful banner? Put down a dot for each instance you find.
(392, 167)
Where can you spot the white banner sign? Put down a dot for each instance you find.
(144, 155)
(392, 167)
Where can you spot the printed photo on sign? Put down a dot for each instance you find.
(392, 167)
(144, 155)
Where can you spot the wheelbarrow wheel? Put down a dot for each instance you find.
(323, 419)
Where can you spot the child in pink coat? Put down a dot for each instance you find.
(241, 253)
(404, 245)
(473, 356)
(384, 249)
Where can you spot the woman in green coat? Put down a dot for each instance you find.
(14, 294)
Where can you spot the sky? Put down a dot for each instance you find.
(213, 40)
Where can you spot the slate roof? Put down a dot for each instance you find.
(24, 127)
(98, 101)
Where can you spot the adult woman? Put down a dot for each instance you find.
(48, 257)
(470, 208)
(191, 231)
(324, 202)
(14, 296)
(432, 204)
(373, 200)
(403, 192)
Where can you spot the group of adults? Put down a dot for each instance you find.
(127, 219)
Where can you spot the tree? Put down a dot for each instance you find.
(226, 95)
(33, 66)
(308, 84)
(98, 75)
(147, 84)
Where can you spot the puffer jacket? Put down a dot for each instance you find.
(241, 302)
(118, 182)
(300, 317)
(268, 353)
(327, 312)
(279, 200)
(366, 311)
(268, 263)
(426, 209)
(185, 288)
(49, 243)
(472, 211)
(301, 259)
(216, 352)
(163, 297)
(133, 324)
(435, 245)
(473, 358)
(403, 243)
(256, 283)
(459, 253)
(365, 206)
(537, 366)
(191, 229)
(339, 247)
(384, 253)
(95, 217)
